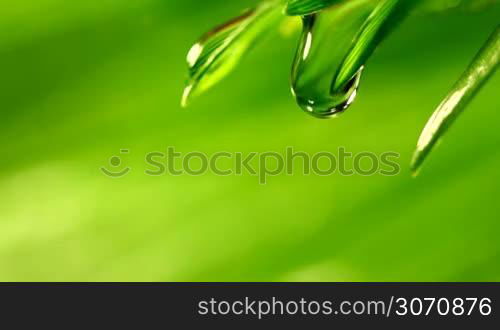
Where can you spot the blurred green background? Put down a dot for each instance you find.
(82, 80)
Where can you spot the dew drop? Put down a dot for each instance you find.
(334, 47)
(326, 39)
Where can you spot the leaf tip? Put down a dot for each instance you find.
(416, 163)
(428, 139)
(186, 96)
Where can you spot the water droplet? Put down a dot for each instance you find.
(334, 47)
(326, 38)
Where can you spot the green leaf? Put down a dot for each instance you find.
(306, 7)
(218, 52)
(441, 5)
(480, 70)
(384, 19)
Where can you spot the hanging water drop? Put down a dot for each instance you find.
(334, 47)
(326, 38)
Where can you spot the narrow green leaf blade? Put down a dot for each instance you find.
(384, 19)
(442, 5)
(306, 7)
(480, 70)
(219, 51)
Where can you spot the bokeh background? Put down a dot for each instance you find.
(81, 80)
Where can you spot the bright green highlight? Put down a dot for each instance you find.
(472, 81)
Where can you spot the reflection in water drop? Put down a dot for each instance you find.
(326, 38)
(334, 47)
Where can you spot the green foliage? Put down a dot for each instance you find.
(479, 72)
(383, 20)
(218, 52)
(82, 79)
(306, 7)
